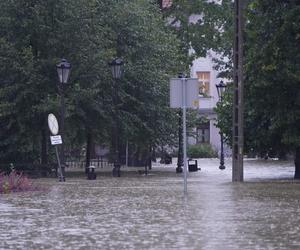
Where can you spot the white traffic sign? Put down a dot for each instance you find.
(53, 124)
(191, 86)
(55, 139)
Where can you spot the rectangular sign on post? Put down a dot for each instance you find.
(184, 93)
(55, 139)
(192, 93)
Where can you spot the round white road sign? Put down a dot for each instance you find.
(53, 124)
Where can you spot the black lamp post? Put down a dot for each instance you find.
(221, 88)
(180, 138)
(63, 71)
(180, 144)
(116, 69)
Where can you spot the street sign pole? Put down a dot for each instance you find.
(55, 140)
(183, 83)
(60, 174)
(184, 94)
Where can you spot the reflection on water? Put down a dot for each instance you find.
(138, 212)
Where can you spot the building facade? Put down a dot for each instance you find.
(206, 132)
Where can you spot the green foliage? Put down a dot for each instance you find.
(201, 151)
(201, 25)
(151, 57)
(272, 78)
(36, 34)
(224, 118)
(272, 83)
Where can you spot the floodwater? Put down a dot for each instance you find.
(151, 212)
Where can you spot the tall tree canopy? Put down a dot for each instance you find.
(201, 26)
(36, 34)
(272, 79)
(151, 54)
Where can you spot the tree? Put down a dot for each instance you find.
(151, 55)
(12, 119)
(272, 98)
(36, 34)
(275, 77)
(200, 27)
(40, 33)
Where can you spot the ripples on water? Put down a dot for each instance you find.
(138, 212)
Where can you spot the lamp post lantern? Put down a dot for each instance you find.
(221, 89)
(63, 70)
(116, 69)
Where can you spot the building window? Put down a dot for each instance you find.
(204, 82)
(165, 3)
(203, 134)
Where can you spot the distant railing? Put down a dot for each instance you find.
(80, 163)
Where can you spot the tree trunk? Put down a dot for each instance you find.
(88, 152)
(297, 163)
(150, 157)
(44, 156)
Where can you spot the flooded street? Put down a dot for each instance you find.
(150, 212)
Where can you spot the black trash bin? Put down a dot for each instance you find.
(193, 165)
(91, 175)
(116, 172)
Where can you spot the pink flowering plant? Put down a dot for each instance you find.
(15, 182)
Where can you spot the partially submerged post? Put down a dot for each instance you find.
(63, 71)
(184, 94)
(55, 140)
(116, 69)
(238, 101)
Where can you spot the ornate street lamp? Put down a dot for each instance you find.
(116, 69)
(221, 89)
(63, 70)
(116, 66)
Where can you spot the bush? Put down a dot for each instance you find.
(201, 151)
(15, 182)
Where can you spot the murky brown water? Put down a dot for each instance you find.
(138, 212)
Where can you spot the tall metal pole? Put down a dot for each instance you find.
(116, 67)
(63, 70)
(62, 126)
(127, 153)
(180, 137)
(221, 88)
(183, 82)
(238, 102)
(60, 174)
(117, 165)
(180, 143)
(222, 166)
